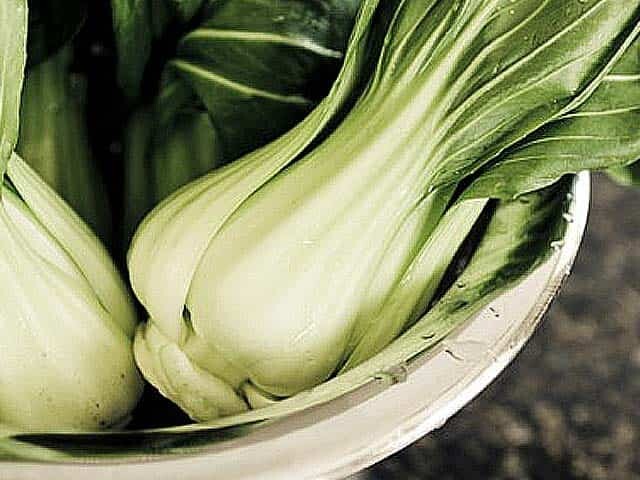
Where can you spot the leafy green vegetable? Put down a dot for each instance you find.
(186, 9)
(517, 239)
(322, 258)
(13, 35)
(172, 225)
(54, 138)
(137, 24)
(66, 315)
(406, 301)
(330, 252)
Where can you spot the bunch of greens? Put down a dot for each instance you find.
(337, 185)
(67, 316)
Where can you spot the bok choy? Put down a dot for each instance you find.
(68, 320)
(310, 255)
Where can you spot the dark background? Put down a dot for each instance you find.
(568, 407)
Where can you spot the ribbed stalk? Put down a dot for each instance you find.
(53, 138)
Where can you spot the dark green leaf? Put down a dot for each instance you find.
(257, 65)
(496, 71)
(134, 36)
(603, 132)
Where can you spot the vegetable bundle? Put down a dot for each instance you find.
(335, 185)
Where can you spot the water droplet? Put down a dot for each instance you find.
(567, 217)
(461, 284)
(557, 244)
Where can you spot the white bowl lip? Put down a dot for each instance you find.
(405, 431)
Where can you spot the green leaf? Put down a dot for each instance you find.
(12, 450)
(13, 44)
(418, 284)
(601, 133)
(52, 23)
(134, 36)
(257, 74)
(137, 25)
(254, 63)
(500, 71)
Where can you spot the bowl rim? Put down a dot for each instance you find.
(362, 427)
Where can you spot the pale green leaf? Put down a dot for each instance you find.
(13, 44)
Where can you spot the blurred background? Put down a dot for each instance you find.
(568, 407)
